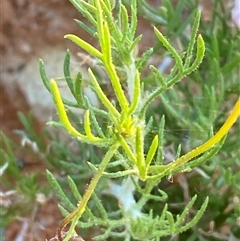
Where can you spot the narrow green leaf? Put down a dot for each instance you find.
(196, 218)
(151, 152)
(170, 221)
(136, 94)
(140, 152)
(199, 56)
(78, 90)
(158, 76)
(133, 24)
(89, 7)
(134, 43)
(229, 66)
(106, 48)
(112, 26)
(170, 48)
(123, 22)
(66, 71)
(140, 64)
(159, 157)
(126, 148)
(100, 207)
(86, 27)
(112, 110)
(74, 189)
(181, 218)
(44, 75)
(87, 126)
(177, 15)
(84, 45)
(94, 121)
(59, 191)
(192, 39)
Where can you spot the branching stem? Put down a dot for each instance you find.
(75, 215)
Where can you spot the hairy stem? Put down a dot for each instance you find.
(75, 215)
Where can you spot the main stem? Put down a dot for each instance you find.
(75, 215)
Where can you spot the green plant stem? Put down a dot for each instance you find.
(75, 215)
(212, 141)
(165, 170)
(106, 45)
(66, 123)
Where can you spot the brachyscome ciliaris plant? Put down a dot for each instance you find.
(122, 139)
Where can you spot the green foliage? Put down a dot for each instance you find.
(126, 140)
(123, 137)
(18, 193)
